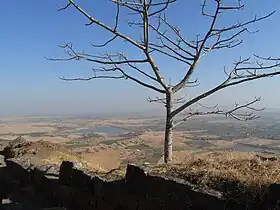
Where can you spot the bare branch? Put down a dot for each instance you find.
(164, 46)
(65, 7)
(220, 43)
(229, 42)
(130, 5)
(162, 3)
(184, 81)
(103, 25)
(239, 74)
(207, 107)
(242, 25)
(203, 8)
(146, 47)
(237, 7)
(267, 58)
(177, 33)
(91, 78)
(166, 4)
(244, 116)
(177, 45)
(156, 49)
(115, 28)
(139, 70)
(157, 100)
(127, 76)
(105, 59)
(115, 69)
(106, 43)
(143, 83)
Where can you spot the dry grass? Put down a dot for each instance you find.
(114, 174)
(212, 169)
(57, 139)
(105, 159)
(154, 138)
(18, 128)
(58, 157)
(41, 152)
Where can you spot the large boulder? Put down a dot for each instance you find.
(16, 147)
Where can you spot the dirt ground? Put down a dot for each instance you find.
(105, 151)
(18, 128)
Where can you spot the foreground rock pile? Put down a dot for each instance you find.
(25, 184)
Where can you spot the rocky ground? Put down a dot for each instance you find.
(252, 171)
(17, 195)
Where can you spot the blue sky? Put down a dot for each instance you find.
(32, 30)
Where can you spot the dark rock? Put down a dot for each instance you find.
(117, 195)
(98, 187)
(78, 189)
(272, 198)
(64, 195)
(102, 205)
(65, 173)
(20, 168)
(49, 170)
(11, 150)
(38, 177)
(151, 204)
(136, 179)
(82, 199)
(80, 179)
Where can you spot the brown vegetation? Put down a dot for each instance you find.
(252, 172)
(40, 152)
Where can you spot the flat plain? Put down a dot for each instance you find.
(106, 143)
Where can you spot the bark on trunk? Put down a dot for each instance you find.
(168, 129)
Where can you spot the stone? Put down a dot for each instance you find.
(80, 179)
(136, 179)
(65, 172)
(78, 189)
(98, 186)
(6, 201)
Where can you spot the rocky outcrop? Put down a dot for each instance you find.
(14, 147)
(67, 186)
(31, 184)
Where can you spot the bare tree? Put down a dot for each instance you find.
(161, 37)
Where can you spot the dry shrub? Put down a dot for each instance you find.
(246, 169)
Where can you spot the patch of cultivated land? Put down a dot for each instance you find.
(250, 173)
(40, 152)
(143, 140)
(205, 153)
(18, 128)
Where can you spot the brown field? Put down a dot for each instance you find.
(138, 142)
(202, 155)
(18, 128)
(253, 174)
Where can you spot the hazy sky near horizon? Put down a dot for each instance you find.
(32, 30)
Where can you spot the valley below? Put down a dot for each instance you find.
(108, 143)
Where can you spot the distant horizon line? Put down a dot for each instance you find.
(143, 113)
(90, 114)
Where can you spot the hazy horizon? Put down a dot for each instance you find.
(140, 113)
(29, 83)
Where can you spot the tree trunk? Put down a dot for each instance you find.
(168, 129)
